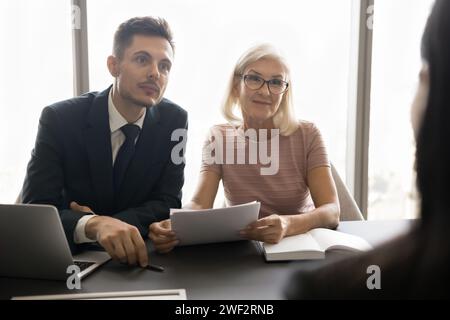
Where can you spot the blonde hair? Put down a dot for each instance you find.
(283, 119)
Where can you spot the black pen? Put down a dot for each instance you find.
(155, 268)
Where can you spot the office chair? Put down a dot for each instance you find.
(349, 208)
(19, 198)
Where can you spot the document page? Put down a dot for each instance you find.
(213, 225)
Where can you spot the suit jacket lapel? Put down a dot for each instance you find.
(98, 143)
(146, 150)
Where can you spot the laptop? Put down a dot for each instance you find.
(33, 245)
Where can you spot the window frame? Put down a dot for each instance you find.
(358, 111)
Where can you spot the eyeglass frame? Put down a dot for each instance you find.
(244, 76)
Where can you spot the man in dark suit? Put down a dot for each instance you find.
(107, 160)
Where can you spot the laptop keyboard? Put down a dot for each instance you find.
(83, 265)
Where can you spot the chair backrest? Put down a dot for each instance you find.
(19, 198)
(349, 208)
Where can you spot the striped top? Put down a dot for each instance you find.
(282, 188)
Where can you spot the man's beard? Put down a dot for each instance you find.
(143, 104)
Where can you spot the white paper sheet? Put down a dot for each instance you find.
(213, 225)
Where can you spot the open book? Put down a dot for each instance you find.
(313, 245)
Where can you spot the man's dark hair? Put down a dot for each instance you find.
(147, 26)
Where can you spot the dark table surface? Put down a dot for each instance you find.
(235, 270)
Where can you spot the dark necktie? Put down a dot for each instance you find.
(125, 154)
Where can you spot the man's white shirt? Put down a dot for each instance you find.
(116, 121)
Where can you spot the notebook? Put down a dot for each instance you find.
(313, 245)
(173, 294)
(212, 225)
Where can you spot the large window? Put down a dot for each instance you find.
(36, 58)
(315, 37)
(398, 27)
(211, 35)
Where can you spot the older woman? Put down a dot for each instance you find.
(297, 191)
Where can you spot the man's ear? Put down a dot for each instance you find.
(113, 66)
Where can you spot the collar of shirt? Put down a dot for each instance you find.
(116, 121)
